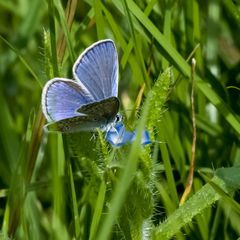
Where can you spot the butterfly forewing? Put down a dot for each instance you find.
(62, 97)
(97, 70)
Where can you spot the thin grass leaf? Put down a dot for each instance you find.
(124, 181)
(64, 25)
(31, 19)
(25, 63)
(201, 200)
(185, 68)
(99, 19)
(169, 174)
(98, 211)
(119, 37)
(61, 42)
(52, 32)
(75, 211)
(233, 10)
(137, 46)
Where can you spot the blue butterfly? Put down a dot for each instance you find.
(90, 101)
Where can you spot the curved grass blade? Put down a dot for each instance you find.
(182, 65)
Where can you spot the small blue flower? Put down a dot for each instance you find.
(118, 136)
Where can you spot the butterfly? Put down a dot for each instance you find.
(90, 100)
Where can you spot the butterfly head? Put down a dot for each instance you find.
(118, 118)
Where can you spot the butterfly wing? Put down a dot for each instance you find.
(93, 115)
(61, 98)
(97, 69)
(106, 109)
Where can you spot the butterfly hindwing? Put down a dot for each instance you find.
(107, 108)
(97, 69)
(94, 115)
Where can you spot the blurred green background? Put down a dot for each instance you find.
(41, 40)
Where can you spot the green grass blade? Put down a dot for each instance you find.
(124, 182)
(98, 211)
(25, 63)
(180, 63)
(201, 200)
(60, 10)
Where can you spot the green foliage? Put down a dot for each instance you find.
(76, 186)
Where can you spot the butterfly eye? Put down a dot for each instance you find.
(118, 118)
